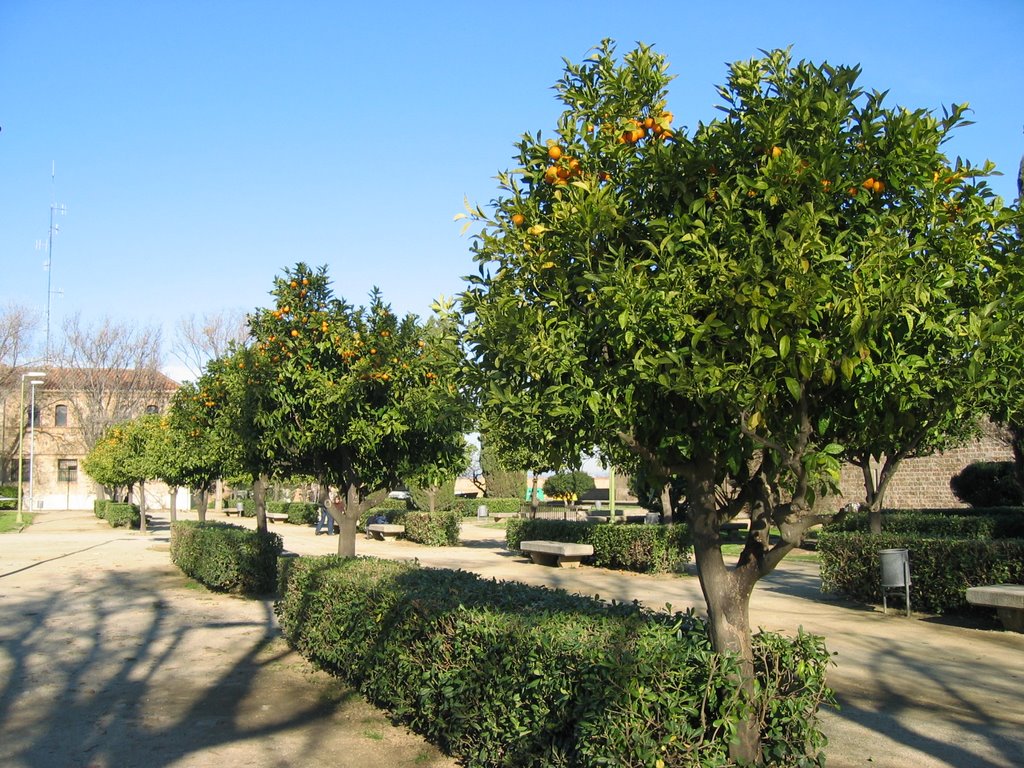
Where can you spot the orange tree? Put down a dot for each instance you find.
(717, 302)
(355, 396)
(198, 448)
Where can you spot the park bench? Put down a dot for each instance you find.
(556, 553)
(499, 516)
(385, 531)
(1007, 599)
(277, 517)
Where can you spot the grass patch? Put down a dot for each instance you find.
(8, 520)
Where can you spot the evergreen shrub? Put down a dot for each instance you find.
(122, 514)
(506, 674)
(988, 484)
(638, 548)
(941, 569)
(226, 558)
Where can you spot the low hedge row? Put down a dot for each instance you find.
(941, 569)
(921, 524)
(440, 529)
(226, 558)
(118, 514)
(639, 548)
(299, 512)
(503, 506)
(9, 492)
(960, 522)
(505, 674)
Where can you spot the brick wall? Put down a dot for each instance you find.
(924, 482)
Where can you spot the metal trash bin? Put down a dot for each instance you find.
(895, 574)
(481, 511)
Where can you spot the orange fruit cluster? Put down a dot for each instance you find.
(658, 127)
(562, 169)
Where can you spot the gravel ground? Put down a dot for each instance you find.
(110, 658)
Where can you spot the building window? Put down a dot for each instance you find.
(32, 417)
(152, 409)
(67, 470)
(60, 416)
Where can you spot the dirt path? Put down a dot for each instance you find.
(109, 659)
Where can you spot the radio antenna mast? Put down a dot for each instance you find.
(54, 229)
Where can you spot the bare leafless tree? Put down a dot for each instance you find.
(17, 339)
(111, 372)
(201, 338)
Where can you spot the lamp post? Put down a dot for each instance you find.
(36, 376)
(32, 446)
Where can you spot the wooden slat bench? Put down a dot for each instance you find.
(385, 531)
(1007, 599)
(556, 553)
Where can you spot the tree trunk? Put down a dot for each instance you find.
(534, 501)
(727, 594)
(347, 521)
(259, 494)
(218, 499)
(142, 506)
(174, 503)
(202, 502)
(666, 504)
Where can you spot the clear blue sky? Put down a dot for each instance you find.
(202, 145)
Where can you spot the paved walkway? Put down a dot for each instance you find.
(99, 630)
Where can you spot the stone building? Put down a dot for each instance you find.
(73, 407)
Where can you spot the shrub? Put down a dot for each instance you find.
(995, 522)
(988, 484)
(443, 496)
(10, 492)
(393, 504)
(555, 679)
(638, 548)
(941, 569)
(122, 514)
(303, 513)
(226, 558)
(922, 524)
(99, 507)
(504, 506)
(440, 529)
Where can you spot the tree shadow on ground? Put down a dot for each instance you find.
(105, 674)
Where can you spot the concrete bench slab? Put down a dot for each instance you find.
(1007, 599)
(277, 517)
(385, 531)
(556, 553)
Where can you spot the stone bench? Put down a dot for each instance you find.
(385, 531)
(556, 553)
(277, 517)
(499, 516)
(1007, 599)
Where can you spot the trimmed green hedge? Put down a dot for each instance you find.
(638, 548)
(10, 492)
(122, 514)
(302, 512)
(505, 674)
(99, 507)
(941, 569)
(502, 506)
(440, 529)
(226, 558)
(957, 522)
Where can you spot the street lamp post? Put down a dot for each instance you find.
(32, 446)
(35, 376)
